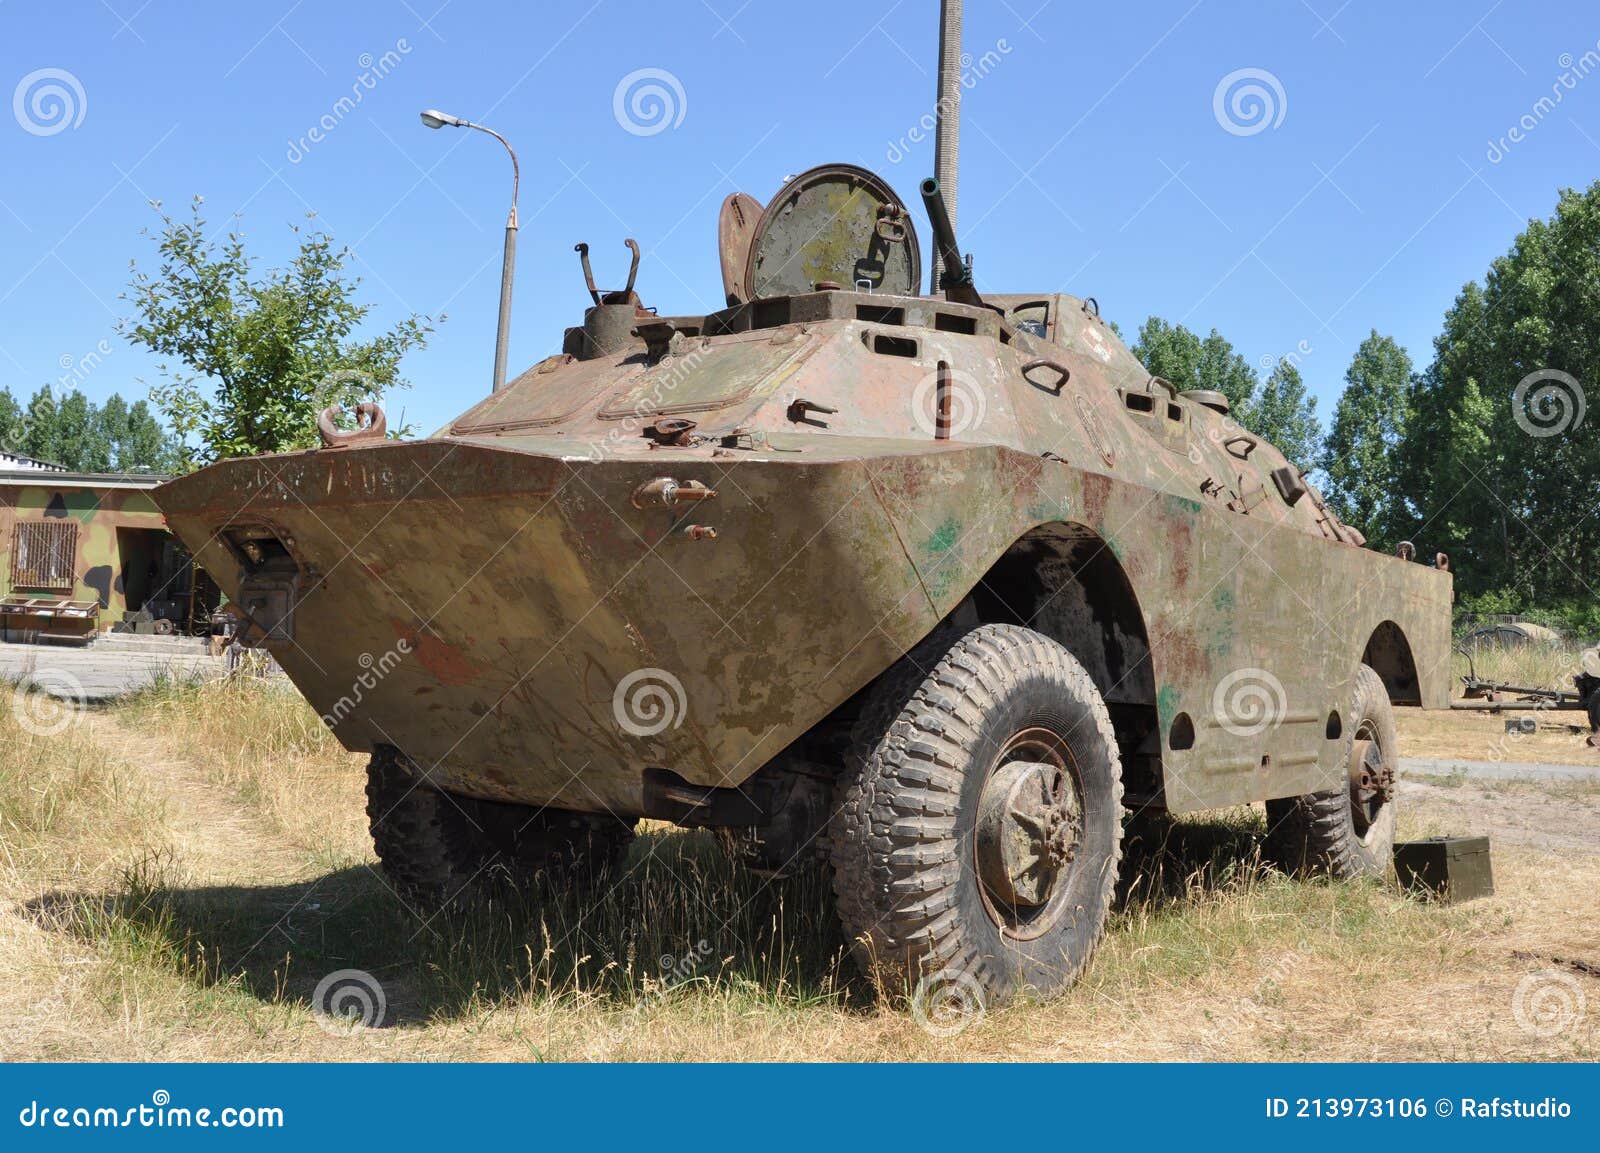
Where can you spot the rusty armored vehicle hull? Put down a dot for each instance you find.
(938, 586)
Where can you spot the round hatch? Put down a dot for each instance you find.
(1207, 398)
(837, 224)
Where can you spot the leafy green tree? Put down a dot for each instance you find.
(1369, 423)
(10, 421)
(1286, 414)
(39, 438)
(80, 445)
(1178, 355)
(1230, 374)
(1169, 351)
(257, 355)
(136, 438)
(110, 429)
(1497, 467)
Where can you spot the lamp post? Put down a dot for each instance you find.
(433, 118)
(947, 113)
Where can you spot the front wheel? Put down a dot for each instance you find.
(979, 821)
(438, 849)
(1348, 831)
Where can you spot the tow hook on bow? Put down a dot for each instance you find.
(370, 425)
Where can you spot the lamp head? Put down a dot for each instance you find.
(433, 118)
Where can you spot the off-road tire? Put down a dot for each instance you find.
(1316, 833)
(439, 849)
(906, 886)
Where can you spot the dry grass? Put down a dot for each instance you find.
(1482, 736)
(257, 742)
(1535, 666)
(182, 870)
(1477, 736)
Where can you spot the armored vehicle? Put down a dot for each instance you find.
(938, 586)
(941, 583)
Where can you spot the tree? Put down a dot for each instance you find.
(138, 441)
(10, 422)
(39, 437)
(1286, 415)
(79, 444)
(1500, 462)
(110, 429)
(76, 433)
(1169, 351)
(1227, 372)
(1177, 355)
(1369, 423)
(258, 355)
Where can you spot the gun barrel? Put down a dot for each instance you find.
(944, 234)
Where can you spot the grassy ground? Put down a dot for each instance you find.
(1481, 736)
(1539, 666)
(1475, 736)
(181, 871)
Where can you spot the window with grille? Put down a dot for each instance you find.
(42, 554)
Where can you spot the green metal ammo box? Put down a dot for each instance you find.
(1454, 869)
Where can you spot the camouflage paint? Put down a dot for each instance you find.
(100, 506)
(508, 548)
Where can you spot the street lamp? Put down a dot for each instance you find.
(433, 118)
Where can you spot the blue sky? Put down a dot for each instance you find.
(1095, 158)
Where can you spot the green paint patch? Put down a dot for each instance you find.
(944, 537)
(1167, 701)
(82, 503)
(1219, 641)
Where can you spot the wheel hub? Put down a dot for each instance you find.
(1372, 782)
(1027, 831)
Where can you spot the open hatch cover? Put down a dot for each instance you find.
(836, 225)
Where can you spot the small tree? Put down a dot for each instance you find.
(260, 354)
(79, 444)
(10, 422)
(1286, 414)
(1182, 358)
(37, 434)
(1369, 422)
(133, 438)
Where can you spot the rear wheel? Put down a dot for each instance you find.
(438, 848)
(979, 827)
(1347, 831)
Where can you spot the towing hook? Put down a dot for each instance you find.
(370, 425)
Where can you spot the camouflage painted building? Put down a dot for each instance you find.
(87, 537)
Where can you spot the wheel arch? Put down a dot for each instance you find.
(1063, 580)
(1388, 651)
